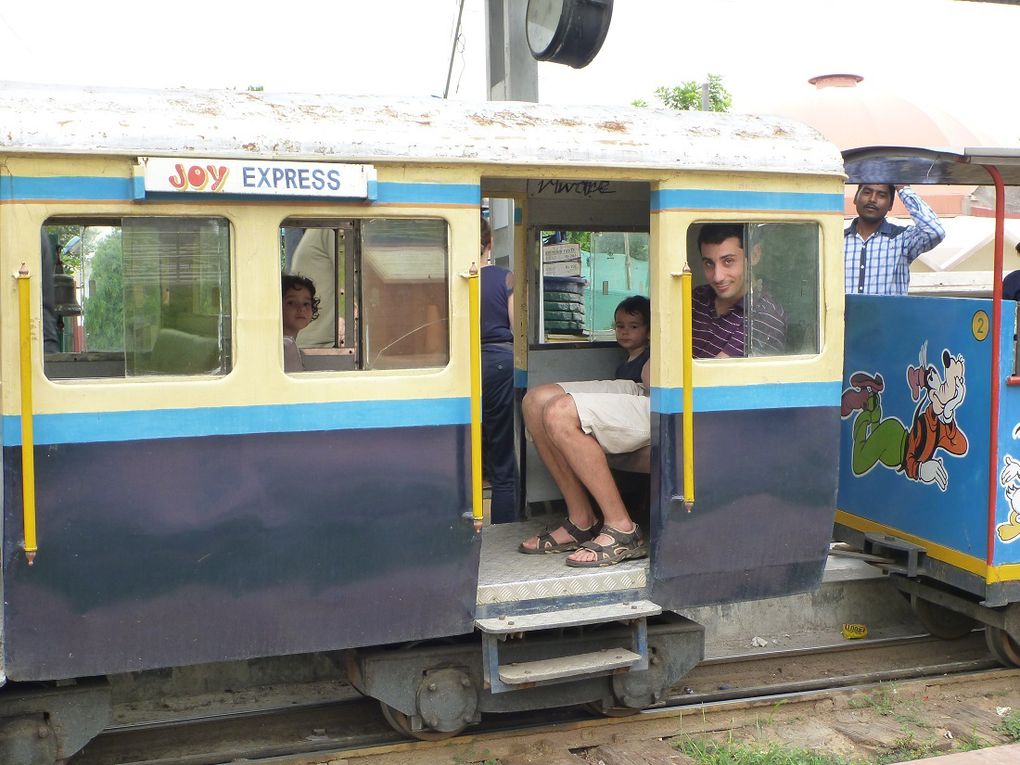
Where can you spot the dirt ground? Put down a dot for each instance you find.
(891, 723)
(888, 723)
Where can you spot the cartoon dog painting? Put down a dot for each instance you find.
(1009, 480)
(933, 427)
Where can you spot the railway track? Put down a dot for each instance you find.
(354, 730)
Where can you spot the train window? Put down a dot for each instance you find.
(136, 297)
(774, 288)
(382, 286)
(585, 275)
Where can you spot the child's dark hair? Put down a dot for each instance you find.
(636, 304)
(295, 282)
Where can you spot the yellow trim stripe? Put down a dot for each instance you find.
(992, 574)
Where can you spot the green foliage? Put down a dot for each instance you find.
(971, 742)
(879, 701)
(582, 238)
(1010, 725)
(708, 752)
(104, 307)
(59, 237)
(907, 748)
(687, 97)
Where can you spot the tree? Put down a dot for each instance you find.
(104, 307)
(687, 97)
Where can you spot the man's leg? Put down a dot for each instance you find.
(587, 463)
(876, 440)
(579, 508)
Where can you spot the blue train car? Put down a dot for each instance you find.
(929, 455)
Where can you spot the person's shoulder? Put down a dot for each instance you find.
(891, 229)
(703, 292)
(768, 305)
(765, 297)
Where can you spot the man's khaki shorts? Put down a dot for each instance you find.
(616, 412)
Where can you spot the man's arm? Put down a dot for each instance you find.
(927, 230)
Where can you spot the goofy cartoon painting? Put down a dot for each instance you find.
(909, 451)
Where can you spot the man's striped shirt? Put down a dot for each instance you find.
(713, 334)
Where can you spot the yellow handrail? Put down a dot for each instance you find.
(27, 435)
(475, 336)
(687, 344)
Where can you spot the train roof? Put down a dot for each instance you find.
(63, 119)
(923, 165)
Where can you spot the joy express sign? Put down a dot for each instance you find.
(258, 178)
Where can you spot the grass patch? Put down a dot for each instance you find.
(907, 748)
(1010, 726)
(708, 752)
(884, 701)
(971, 742)
(880, 701)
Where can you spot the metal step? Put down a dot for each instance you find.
(569, 617)
(501, 678)
(544, 670)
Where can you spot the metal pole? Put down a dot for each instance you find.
(453, 50)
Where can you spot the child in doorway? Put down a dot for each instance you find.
(574, 425)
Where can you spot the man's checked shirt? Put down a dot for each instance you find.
(881, 265)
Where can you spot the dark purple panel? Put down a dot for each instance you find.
(182, 551)
(764, 504)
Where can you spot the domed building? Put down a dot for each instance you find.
(852, 113)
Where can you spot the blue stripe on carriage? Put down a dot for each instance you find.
(713, 199)
(21, 188)
(731, 398)
(431, 193)
(94, 427)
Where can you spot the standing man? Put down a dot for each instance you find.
(497, 309)
(877, 254)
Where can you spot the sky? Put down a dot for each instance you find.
(958, 56)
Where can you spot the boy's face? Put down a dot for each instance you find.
(725, 268)
(631, 331)
(297, 311)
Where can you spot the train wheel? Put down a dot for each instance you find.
(601, 710)
(942, 622)
(1004, 648)
(402, 724)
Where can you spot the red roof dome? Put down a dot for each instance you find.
(850, 113)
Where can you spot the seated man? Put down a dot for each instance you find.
(574, 425)
(719, 313)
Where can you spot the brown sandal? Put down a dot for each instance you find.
(624, 547)
(546, 543)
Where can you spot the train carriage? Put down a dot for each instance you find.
(172, 496)
(928, 478)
